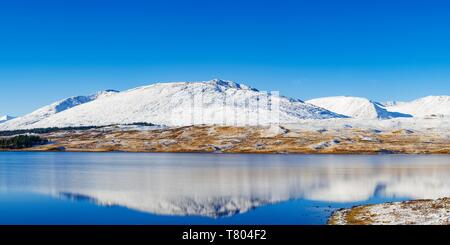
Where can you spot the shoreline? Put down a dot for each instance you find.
(413, 212)
(228, 153)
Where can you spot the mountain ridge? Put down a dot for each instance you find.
(5, 118)
(213, 102)
(426, 106)
(54, 108)
(356, 107)
(184, 103)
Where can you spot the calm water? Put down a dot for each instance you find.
(128, 188)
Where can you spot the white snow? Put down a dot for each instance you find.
(355, 107)
(392, 103)
(5, 118)
(438, 106)
(52, 109)
(229, 103)
(419, 212)
(420, 125)
(179, 103)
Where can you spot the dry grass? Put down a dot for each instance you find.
(358, 216)
(229, 139)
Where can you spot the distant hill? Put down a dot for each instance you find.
(423, 107)
(356, 107)
(5, 118)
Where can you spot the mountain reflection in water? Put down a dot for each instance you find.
(216, 185)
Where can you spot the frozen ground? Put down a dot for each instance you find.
(423, 125)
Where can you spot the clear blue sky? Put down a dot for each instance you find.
(384, 50)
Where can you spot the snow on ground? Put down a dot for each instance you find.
(123, 127)
(421, 125)
(424, 107)
(5, 118)
(57, 107)
(417, 212)
(356, 107)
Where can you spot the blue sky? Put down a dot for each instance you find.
(384, 50)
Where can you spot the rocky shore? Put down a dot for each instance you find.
(416, 212)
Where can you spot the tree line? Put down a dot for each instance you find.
(55, 129)
(21, 142)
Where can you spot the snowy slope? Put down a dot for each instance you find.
(52, 109)
(184, 103)
(5, 118)
(423, 107)
(392, 103)
(355, 107)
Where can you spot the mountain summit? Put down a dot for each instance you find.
(178, 103)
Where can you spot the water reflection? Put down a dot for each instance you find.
(221, 185)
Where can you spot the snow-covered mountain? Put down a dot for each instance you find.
(179, 103)
(52, 109)
(356, 107)
(392, 103)
(5, 118)
(424, 107)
